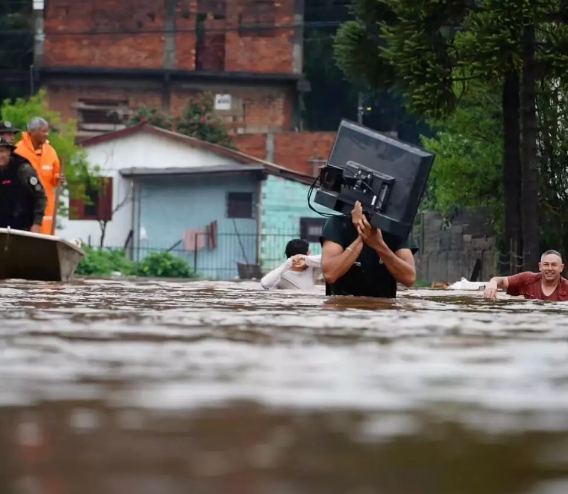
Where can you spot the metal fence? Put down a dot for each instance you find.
(230, 256)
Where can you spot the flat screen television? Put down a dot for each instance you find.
(386, 175)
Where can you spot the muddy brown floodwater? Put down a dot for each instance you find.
(119, 387)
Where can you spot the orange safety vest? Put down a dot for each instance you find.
(47, 165)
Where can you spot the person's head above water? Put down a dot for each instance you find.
(38, 128)
(297, 246)
(551, 266)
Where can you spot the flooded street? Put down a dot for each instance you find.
(220, 388)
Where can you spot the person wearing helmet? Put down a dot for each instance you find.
(8, 131)
(22, 197)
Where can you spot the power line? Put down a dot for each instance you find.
(243, 29)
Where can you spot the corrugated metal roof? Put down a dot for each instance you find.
(193, 170)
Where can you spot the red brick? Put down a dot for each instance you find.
(88, 46)
(62, 97)
(254, 110)
(252, 144)
(292, 150)
(131, 34)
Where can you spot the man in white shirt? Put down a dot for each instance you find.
(299, 272)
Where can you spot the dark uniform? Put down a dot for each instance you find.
(22, 197)
(368, 277)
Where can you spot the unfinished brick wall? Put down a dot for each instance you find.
(62, 97)
(134, 33)
(292, 150)
(252, 144)
(253, 110)
(260, 37)
(185, 40)
(220, 35)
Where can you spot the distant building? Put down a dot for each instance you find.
(101, 58)
(213, 206)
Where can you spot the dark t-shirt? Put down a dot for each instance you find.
(368, 277)
(529, 285)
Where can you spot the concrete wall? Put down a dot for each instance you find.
(449, 253)
(167, 207)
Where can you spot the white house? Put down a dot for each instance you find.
(160, 185)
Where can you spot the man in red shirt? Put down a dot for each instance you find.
(546, 285)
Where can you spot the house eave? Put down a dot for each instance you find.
(171, 75)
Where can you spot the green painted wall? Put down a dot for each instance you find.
(283, 203)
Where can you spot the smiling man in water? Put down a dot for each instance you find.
(546, 285)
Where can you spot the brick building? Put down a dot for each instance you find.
(99, 58)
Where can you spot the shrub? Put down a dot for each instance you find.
(103, 262)
(164, 265)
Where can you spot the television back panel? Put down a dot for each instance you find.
(409, 165)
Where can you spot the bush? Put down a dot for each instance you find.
(103, 262)
(164, 265)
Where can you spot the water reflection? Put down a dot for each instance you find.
(166, 387)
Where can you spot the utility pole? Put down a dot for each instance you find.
(39, 38)
(360, 108)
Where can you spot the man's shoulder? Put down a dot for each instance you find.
(338, 229)
(396, 243)
(25, 169)
(337, 223)
(29, 176)
(525, 278)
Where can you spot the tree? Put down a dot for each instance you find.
(61, 137)
(468, 165)
(425, 48)
(467, 171)
(16, 48)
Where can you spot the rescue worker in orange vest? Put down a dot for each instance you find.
(8, 132)
(22, 198)
(35, 147)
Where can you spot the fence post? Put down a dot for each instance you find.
(195, 253)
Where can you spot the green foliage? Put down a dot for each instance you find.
(16, 36)
(467, 171)
(164, 265)
(62, 137)
(103, 262)
(151, 116)
(423, 48)
(198, 120)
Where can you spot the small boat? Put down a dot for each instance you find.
(33, 256)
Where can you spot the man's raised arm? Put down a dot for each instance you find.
(336, 261)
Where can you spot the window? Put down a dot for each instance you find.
(311, 228)
(91, 202)
(102, 115)
(239, 205)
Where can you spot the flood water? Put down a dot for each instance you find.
(111, 387)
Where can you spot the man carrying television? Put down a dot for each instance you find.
(360, 260)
